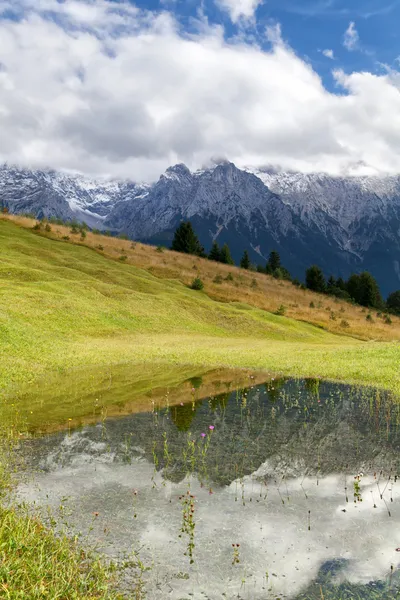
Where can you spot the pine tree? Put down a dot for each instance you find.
(331, 283)
(215, 252)
(353, 287)
(182, 416)
(393, 302)
(315, 279)
(274, 262)
(371, 295)
(364, 290)
(186, 241)
(341, 284)
(245, 262)
(285, 274)
(274, 267)
(225, 256)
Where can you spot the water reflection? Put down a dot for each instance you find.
(294, 484)
(83, 396)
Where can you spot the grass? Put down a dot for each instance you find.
(65, 306)
(36, 563)
(226, 283)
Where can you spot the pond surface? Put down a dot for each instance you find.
(287, 489)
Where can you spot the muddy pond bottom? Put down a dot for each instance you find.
(288, 489)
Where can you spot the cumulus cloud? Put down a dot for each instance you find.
(351, 37)
(238, 9)
(328, 53)
(106, 89)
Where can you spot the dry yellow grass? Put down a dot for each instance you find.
(247, 287)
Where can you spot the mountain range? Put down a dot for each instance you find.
(344, 224)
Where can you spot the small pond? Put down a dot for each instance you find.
(287, 489)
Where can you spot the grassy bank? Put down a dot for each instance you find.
(65, 306)
(85, 396)
(36, 563)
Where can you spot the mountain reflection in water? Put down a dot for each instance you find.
(300, 476)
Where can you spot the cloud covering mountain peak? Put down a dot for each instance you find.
(105, 88)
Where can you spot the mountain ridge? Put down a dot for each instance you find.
(344, 224)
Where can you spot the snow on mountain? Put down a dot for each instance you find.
(338, 204)
(54, 194)
(342, 223)
(346, 199)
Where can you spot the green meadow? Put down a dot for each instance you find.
(64, 307)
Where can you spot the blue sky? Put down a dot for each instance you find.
(310, 26)
(118, 88)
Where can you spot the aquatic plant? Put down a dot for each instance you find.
(188, 523)
(236, 554)
(357, 488)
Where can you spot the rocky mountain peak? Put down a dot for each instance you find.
(342, 223)
(179, 172)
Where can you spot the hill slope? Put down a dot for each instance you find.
(65, 306)
(344, 223)
(228, 283)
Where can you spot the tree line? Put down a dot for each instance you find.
(186, 241)
(361, 289)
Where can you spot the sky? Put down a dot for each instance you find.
(112, 88)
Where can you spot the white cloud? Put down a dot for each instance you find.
(75, 95)
(351, 37)
(328, 53)
(273, 34)
(240, 9)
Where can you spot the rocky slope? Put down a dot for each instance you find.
(341, 223)
(53, 194)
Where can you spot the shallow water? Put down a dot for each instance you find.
(301, 475)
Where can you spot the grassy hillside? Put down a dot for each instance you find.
(231, 284)
(64, 306)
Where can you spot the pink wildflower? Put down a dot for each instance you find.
(211, 427)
